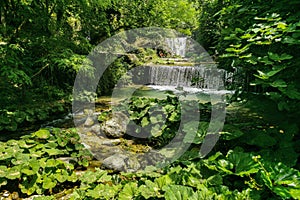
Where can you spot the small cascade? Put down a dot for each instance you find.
(186, 76)
(183, 73)
(177, 45)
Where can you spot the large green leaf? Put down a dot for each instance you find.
(195, 131)
(13, 172)
(54, 152)
(282, 180)
(291, 91)
(88, 177)
(277, 57)
(42, 134)
(169, 108)
(104, 191)
(179, 192)
(27, 171)
(20, 158)
(61, 175)
(144, 122)
(3, 181)
(243, 163)
(150, 189)
(129, 191)
(3, 170)
(163, 181)
(49, 183)
(98, 176)
(279, 83)
(156, 131)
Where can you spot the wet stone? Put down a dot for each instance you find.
(105, 152)
(89, 122)
(116, 126)
(132, 164)
(96, 129)
(115, 162)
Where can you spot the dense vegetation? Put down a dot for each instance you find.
(44, 44)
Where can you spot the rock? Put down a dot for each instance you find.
(105, 152)
(89, 122)
(132, 164)
(88, 133)
(67, 160)
(122, 162)
(96, 129)
(110, 142)
(116, 126)
(88, 112)
(116, 162)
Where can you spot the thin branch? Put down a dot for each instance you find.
(40, 70)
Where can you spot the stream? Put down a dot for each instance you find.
(108, 141)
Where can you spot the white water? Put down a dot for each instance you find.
(189, 90)
(187, 76)
(177, 45)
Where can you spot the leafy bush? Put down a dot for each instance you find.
(46, 162)
(155, 119)
(31, 163)
(158, 120)
(12, 119)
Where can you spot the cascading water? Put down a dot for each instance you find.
(177, 45)
(192, 79)
(186, 76)
(183, 76)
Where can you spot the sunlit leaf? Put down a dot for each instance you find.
(178, 192)
(42, 134)
(104, 191)
(48, 183)
(129, 191)
(150, 189)
(13, 173)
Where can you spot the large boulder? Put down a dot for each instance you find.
(116, 162)
(122, 162)
(115, 126)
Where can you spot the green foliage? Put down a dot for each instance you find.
(278, 177)
(276, 70)
(31, 163)
(260, 41)
(11, 120)
(157, 119)
(35, 164)
(43, 45)
(113, 74)
(180, 15)
(47, 42)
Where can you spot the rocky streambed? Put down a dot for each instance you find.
(107, 143)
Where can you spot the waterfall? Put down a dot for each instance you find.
(186, 76)
(177, 45)
(202, 75)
